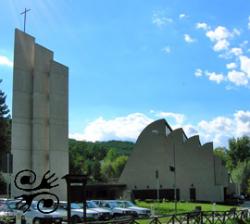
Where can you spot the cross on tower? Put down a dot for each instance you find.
(24, 13)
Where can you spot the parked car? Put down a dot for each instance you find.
(116, 208)
(12, 205)
(34, 216)
(141, 212)
(235, 199)
(7, 215)
(76, 212)
(104, 214)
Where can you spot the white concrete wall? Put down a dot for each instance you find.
(58, 121)
(195, 166)
(21, 145)
(40, 112)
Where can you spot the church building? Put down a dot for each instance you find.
(165, 160)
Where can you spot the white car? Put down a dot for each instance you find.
(141, 212)
(34, 216)
(104, 214)
(77, 212)
(116, 208)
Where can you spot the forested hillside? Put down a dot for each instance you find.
(103, 161)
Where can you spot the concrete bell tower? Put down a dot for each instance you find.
(39, 113)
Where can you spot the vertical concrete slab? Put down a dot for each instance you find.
(21, 139)
(58, 120)
(40, 144)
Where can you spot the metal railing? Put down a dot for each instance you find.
(196, 217)
(200, 217)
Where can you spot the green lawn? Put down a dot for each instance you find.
(169, 207)
(165, 208)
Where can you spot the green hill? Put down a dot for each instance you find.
(102, 161)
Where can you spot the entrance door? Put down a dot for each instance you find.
(192, 193)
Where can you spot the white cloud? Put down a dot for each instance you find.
(198, 72)
(221, 45)
(248, 24)
(190, 130)
(220, 33)
(4, 61)
(220, 37)
(179, 118)
(242, 123)
(202, 26)
(166, 49)
(218, 78)
(122, 128)
(188, 38)
(245, 64)
(231, 65)
(236, 51)
(218, 129)
(182, 16)
(160, 20)
(238, 78)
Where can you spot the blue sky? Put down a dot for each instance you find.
(131, 62)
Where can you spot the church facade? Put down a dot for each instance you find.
(166, 164)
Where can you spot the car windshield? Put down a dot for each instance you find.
(91, 204)
(128, 204)
(110, 204)
(75, 206)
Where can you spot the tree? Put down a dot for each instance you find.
(4, 123)
(239, 150)
(223, 154)
(119, 164)
(241, 174)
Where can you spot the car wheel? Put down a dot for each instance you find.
(36, 221)
(75, 219)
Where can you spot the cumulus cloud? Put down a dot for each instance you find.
(4, 61)
(166, 50)
(119, 128)
(220, 37)
(236, 51)
(190, 130)
(219, 33)
(198, 72)
(231, 65)
(245, 64)
(160, 20)
(218, 78)
(178, 118)
(242, 122)
(238, 78)
(218, 129)
(188, 38)
(202, 26)
(221, 45)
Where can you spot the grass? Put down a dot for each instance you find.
(164, 208)
(169, 207)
